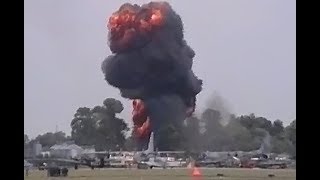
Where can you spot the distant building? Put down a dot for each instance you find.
(27, 152)
(89, 151)
(45, 154)
(36, 149)
(66, 150)
(32, 150)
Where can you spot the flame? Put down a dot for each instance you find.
(156, 18)
(141, 121)
(113, 21)
(126, 18)
(144, 130)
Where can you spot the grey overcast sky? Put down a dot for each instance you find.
(245, 50)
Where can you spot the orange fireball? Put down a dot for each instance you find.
(126, 18)
(156, 18)
(141, 121)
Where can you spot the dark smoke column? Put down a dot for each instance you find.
(151, 64)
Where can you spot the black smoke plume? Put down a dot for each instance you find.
(152, 61)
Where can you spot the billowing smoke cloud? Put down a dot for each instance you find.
(266, 143)
(151, 61)
(218, 103)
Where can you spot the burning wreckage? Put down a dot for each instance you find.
(152, 65)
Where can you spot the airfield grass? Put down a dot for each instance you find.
(168, 174)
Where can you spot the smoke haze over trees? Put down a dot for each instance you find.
(100, 126)
(220, 104)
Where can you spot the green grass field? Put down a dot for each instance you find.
(169, 174)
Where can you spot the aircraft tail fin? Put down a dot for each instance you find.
(151, 144)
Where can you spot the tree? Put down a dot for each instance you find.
(192, 134)
(263, 123)
(49, 139)
(277, 128)
(170, 137)
(212, 119)
(251, 122)
(283, 140)
(111, 130)
(60, 137)
(100, 126)
(240, 136)
(282, 145)
(83, 127)
(290, 134)
(215, 136)
(26, 139)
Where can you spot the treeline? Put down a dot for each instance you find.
(99, 126)
(243, 133)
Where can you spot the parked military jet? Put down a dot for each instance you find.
(150, 158)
